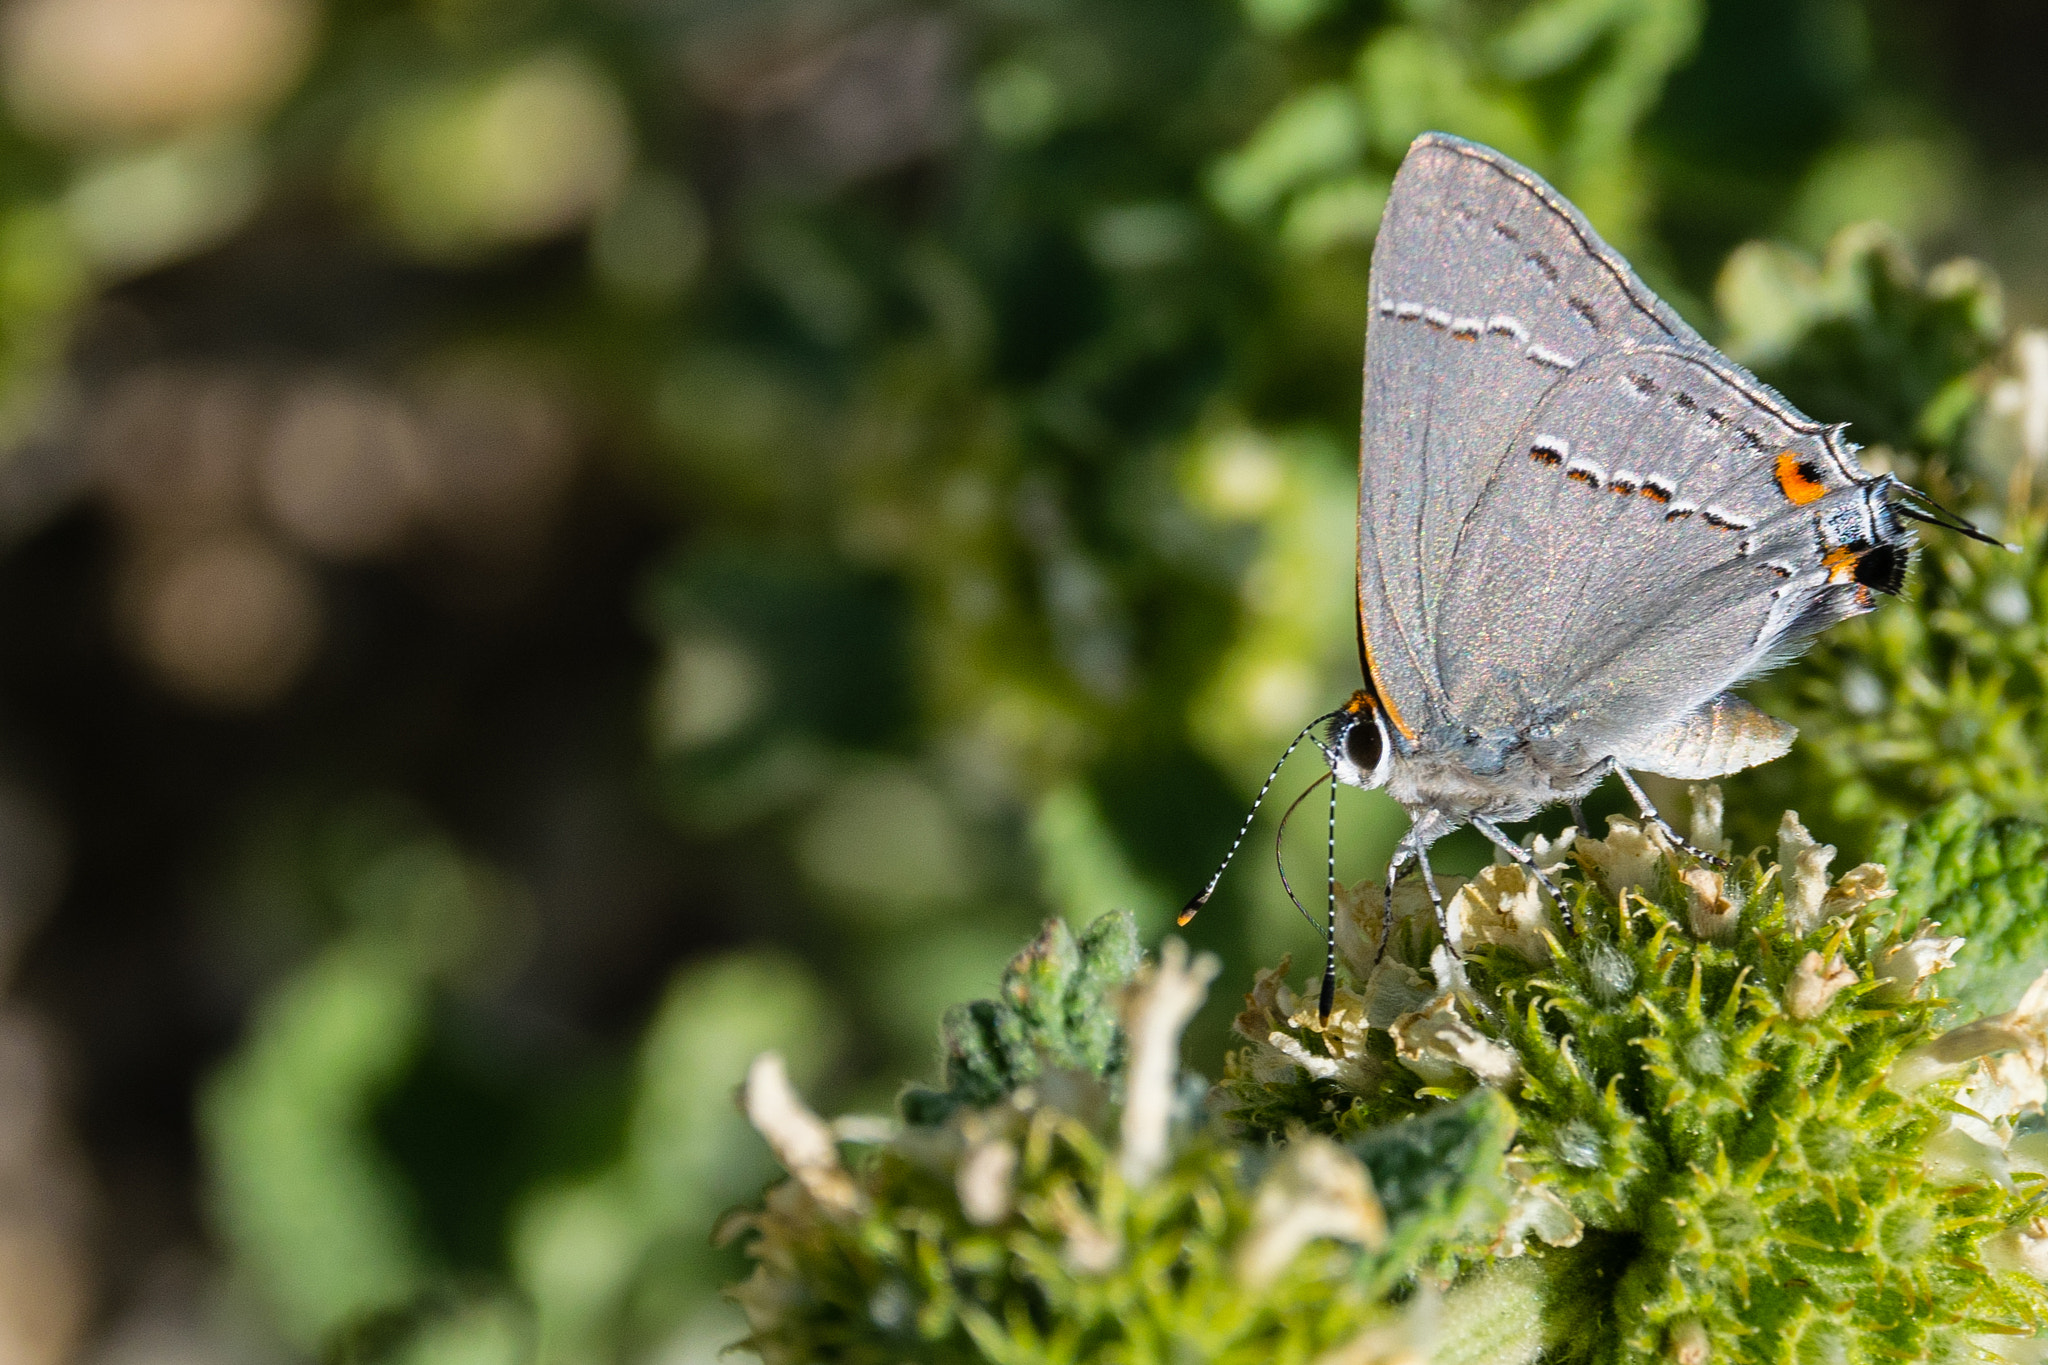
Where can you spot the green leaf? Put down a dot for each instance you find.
(1441, 1177)
(1056, 1011)
(1984, 878)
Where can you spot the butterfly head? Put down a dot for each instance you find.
(1358, 748)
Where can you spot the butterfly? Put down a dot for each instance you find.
(1579, 526)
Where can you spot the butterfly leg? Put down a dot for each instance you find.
(1642, 800)
(1527, 861)
(1436, 900)
(1402, 853)
(1578, 817)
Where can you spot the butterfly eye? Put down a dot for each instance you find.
(1364, 745)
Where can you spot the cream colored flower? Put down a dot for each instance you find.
(1854, 889)
(1291, 1050)
(1687, 1342)
(1548, 853)
(1803, 871)
(1361, 921)
(1903, 966)
(1503, 905)
(1534, 1211)
(1628, 857)
(1316, 1189)
(985, 1181)
(1712, 913)
(1156, 1009)
(1394, 989)
(2022, 1030)
(1436, 1044)
(1269, 1002)
(1705, 799)
(1091, 1249)
(2021, 1248)
(1815, 983)
(1279, 1025)
(1449, 971)
(802, 1141)
(2000, 1088)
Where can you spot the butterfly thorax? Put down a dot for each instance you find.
(1453, 773)
(1501, 778)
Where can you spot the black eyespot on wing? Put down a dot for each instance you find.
(1883, 567)
(1362, 743)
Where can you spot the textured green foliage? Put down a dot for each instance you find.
(1437, 1174)
(1081, 1265)
(1723, 1112)
(1985, 879)
(1739, 1158)
(287, 1121)
(1560, 86)
(302, 1174)
(1056, 1011)
(1942, 694)
(1865, 337)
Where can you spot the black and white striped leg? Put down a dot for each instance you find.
(1402, 853)
(1649, 811)
(1528, 862)
(1436, 900)
(1328, 998)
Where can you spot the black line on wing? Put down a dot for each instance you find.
(1644, 303)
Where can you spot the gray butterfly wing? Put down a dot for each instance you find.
(1488, 291)
(1658, 527)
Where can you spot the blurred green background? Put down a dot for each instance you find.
(549, 545)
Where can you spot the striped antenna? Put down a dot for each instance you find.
(1328, 997)
(1193, 907)
(1934, 514)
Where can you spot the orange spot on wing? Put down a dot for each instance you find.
(1840, 563)
(1798, 480)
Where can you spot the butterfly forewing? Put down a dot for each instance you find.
(1575, 517)
(1488, 290)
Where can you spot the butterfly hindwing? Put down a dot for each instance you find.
(1637, 553)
